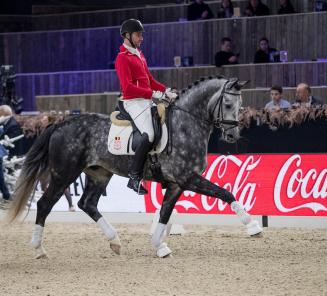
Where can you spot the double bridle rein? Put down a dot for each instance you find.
(219, 122)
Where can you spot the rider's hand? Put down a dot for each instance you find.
(157, 95)
(170, 95)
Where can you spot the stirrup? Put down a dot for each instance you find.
(135, 183)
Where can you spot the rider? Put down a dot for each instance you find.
(138, 88)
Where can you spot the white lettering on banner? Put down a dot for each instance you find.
(239, 186)
(298, 186)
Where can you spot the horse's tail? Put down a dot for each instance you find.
(35, 165)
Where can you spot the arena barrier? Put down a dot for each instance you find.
(266, 184)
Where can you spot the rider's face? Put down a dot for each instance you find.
(137, 38)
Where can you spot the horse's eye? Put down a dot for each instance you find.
(228, 106)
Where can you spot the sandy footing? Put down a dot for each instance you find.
(207, 260)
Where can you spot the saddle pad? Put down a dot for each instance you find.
(121, 136)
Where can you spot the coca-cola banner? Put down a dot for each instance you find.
(266, 184)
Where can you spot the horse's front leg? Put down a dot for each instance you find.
(172, 194)
(199, 184)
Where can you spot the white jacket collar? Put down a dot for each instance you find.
(132, 50)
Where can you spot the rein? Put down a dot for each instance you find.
(220, 121)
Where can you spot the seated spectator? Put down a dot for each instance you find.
(276, 99)
(198, 10)
(225, 56)
(286, 7)
(304, 98)
(256, 8)
(226, 9)
(264, 54)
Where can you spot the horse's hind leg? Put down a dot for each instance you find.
(44, 206)
(89, 204)
(171, 196)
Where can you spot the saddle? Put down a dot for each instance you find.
(124, 136)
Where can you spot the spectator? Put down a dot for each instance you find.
(265, 54)
(225, 56)
(304, 98)
(286, 7)
(198, 10)
(276, 99)
(12, 129)
(226, 9)
(3, 186)
(256, 8)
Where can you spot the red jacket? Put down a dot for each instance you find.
(135, 78)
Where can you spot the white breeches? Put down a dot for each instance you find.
(140, 111)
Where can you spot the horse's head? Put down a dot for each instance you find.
(224, 107)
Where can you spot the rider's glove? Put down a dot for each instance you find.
(157, 95)
(170, 95)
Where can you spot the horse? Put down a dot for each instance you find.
(79, 144)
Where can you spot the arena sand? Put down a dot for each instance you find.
(207, 260)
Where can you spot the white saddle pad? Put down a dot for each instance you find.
(121, 136)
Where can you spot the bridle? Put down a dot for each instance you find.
(219, 122)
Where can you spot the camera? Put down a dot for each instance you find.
(8, 91)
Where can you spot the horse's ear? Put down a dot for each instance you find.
(241, 84)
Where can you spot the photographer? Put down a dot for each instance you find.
(3, 186)
(11, 129)
(8, 93)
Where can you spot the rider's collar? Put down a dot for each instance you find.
(132, 50)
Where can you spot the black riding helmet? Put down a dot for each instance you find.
(130, 26)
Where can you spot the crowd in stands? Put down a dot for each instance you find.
(199, 10)
(264, 54)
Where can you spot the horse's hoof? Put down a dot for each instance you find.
(115, 245)
(163, 251)
(254, 229)
(115, 248)
(41, 253)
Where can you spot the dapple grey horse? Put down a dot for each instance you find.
(79, 144)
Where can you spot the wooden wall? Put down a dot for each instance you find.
(303, 35)
(106, 103)
(30, 85)
(96, 102)
(105, 18)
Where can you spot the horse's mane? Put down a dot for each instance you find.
(200, 81)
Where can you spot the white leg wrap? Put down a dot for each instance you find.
(109, 231)
(253, 228)
(163, 250)
(158, 234)
(37, 236)
(240, 212)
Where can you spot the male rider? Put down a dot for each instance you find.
(138, 88)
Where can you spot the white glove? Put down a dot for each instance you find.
(158, 95)
(170, 95)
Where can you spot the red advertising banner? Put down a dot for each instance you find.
(266, 184)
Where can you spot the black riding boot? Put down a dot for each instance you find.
(136, 170)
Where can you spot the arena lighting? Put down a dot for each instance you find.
(8, 91)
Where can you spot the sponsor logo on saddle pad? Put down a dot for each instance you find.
(274, 184)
